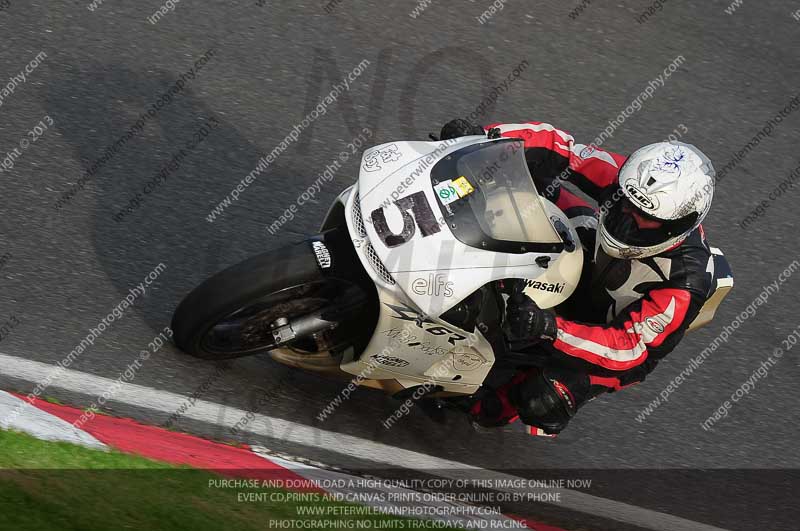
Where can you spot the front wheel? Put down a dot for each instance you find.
(248, 308)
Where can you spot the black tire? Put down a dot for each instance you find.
(238, 289)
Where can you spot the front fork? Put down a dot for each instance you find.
(284, 331)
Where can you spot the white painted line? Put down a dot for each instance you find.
(286, 430)
(378, 496)
(17, 414)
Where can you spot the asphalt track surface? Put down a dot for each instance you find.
(69, 267)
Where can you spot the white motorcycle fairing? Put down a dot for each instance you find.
(402, 222)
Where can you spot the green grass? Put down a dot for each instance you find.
(51, 400)
(46, 486)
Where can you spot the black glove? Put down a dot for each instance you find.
(550, 398)
(526, 323)
(458, 128)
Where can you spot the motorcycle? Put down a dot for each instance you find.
(400, 287)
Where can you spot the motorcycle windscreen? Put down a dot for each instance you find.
(489, 200)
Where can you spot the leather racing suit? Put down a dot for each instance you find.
(624, 316)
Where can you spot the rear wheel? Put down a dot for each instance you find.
(276, 299)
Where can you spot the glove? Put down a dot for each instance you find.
(550, 398)
(458, 128)
(527, 323)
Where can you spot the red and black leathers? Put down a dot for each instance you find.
(625, 314)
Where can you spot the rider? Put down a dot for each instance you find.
(645, 278)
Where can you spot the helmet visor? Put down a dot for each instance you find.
(629, 225)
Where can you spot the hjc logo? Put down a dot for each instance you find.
(435, 286)
(639, 197)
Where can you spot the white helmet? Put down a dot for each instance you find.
(668, 182)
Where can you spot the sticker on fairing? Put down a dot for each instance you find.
(446, 192)
(463, 186)
(323, 255)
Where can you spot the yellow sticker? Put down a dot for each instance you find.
(462, 186)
